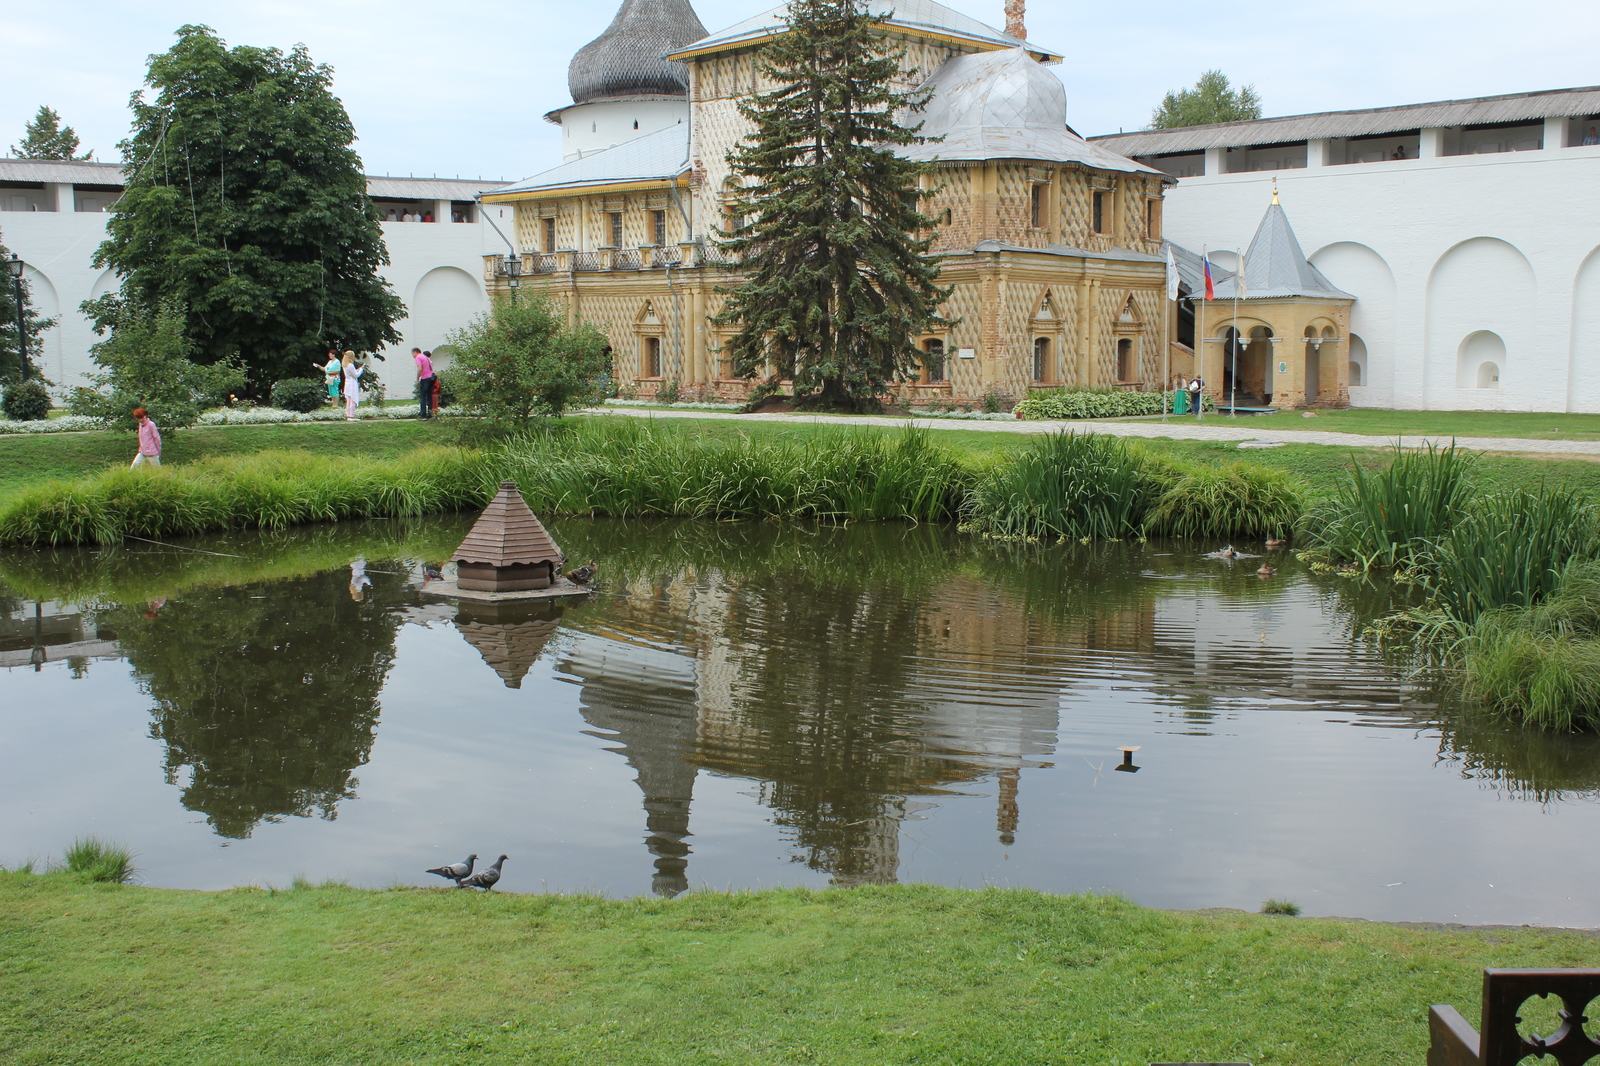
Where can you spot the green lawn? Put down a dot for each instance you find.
(102, 973)
(1428, 423)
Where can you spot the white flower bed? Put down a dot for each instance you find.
(64, 424)
(707, 406)
(969, 416)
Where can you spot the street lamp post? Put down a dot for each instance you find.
(513, 270)
(15, 265)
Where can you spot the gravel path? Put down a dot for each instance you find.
(1213, 427)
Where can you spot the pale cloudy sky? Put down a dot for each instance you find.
(459, 89)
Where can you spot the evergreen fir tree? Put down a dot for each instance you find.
(46, 138)
(246, 207)
(33, 325)
(836, 279)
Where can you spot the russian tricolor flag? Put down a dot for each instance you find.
(1211, 291)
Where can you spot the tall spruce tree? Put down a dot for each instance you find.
(46, 138)
(1212, 99)
(246, 207)
(33, 326)
(836, 279)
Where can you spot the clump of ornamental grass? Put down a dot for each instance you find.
(1286, 907)
(97, 860)
(1540, 664)
(1065, 485)
(1234, 500)
(1386, 518)
(628, 468)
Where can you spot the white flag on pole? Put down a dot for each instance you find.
(1172, 275)
(1238, 281)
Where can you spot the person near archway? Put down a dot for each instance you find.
(425, 378)
(352, 385)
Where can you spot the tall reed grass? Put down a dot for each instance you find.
(1066, 485)
(1541, 664)
(1388, 518)
(269, 490)
(1508, 551)
(1234, 500)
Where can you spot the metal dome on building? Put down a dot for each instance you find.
(626, 59)
(1003, 105)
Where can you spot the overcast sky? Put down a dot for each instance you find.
(460, 89)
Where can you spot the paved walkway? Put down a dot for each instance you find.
(1212, 427)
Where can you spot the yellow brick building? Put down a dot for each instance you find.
(1053, 245)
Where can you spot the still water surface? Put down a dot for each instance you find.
(742, 706)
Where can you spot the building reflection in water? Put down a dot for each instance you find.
(511, 635)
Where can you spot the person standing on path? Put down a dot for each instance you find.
(1196, 388)
(424, 380)
(330, 376)
(352, 385)
(149, 440)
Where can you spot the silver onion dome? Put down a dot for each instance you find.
(626, 59)
(1005, 88)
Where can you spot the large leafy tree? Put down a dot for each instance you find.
(46, 138)
(1212, 99)
(246, 207)
(836, 279)
(33, 326)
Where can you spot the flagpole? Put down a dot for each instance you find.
(1233, 383)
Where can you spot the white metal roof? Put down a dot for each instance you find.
(661, 155)
(1517, 107)
(913, 16)
(54, 171)
(1004, 105)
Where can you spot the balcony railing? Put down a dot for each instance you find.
(685, 256)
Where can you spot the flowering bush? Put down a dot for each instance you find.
(64, 424)
(680, 406)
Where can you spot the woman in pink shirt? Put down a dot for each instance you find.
(149, 440)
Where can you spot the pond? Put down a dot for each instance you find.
(753, 705)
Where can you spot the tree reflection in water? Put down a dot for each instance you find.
(267, 693)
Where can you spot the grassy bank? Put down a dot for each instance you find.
(1381, 423)
(108, 973)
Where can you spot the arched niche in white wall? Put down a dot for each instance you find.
(46, 304)
(1358, 361)
(106, 282)
(446, 298)
(1480, 361)
(1584, 368)
(1366, 275)
(1485, 285)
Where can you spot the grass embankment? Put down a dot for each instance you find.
(638, 468)
(108, 973)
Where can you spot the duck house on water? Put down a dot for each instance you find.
(508, 549)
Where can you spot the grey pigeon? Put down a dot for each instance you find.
(455, 871)
(485, 878)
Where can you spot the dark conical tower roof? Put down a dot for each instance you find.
(626, 59)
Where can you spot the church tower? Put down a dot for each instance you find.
(621, 87)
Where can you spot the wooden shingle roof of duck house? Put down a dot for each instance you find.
(507, 549)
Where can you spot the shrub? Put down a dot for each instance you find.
(1286, 907)
(95, 860)
(146, 363)
(1096, 403)
(299, 394)
(1064, 485)
(1235, 500)
(992, 402)
(447, 388)
(1391, 517)
(26, 401)
(522, 359)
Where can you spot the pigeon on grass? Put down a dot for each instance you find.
(455, 871)
(485, 878)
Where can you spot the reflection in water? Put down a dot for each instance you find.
(267, 694)
(854, 676)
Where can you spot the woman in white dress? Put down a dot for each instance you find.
(352, 385)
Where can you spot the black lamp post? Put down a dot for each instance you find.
(513, 269)
(15, 265)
